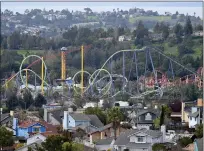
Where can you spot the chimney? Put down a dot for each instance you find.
(70, 110)
(163, 130)
(65, 120)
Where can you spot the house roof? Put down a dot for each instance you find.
(147, 111)
(30, 145)
(57, 114)
(103, 128)
(49, 127)
(26, 124)
(138, 145)
(5, 118)
(79, 117)
(195, 114)
(95, 121)
(123, 139)
(106, 141)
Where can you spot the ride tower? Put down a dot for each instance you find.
(63, 68)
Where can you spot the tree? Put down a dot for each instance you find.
(115, 116)
(156, 28)
(6, 137)
(72, 147)
(184, 141)
(199, 131)
(40, 100)
(53, 143)
(188, 29)
(159, 147)
(157, 122)
(198, 27)
(98, 112)
(178, 30)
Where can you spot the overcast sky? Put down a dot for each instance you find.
(160, 7)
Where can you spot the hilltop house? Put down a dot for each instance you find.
(198, 33)
(124, 38)
(88, 123)
(140, 140)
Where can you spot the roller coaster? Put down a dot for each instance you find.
(102, 82)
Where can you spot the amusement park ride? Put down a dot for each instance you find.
(101, 82)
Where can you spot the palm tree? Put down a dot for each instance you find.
(115, 116)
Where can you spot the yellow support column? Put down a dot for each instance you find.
(82, 70)
(42, 78)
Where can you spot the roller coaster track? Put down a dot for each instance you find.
(94, 79)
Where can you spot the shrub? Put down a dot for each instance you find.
(184, 141)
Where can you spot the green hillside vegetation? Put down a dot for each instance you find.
(150, 18)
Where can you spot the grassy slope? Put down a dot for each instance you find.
(157, 18)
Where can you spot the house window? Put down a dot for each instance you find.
(140, 139)
(36, 129)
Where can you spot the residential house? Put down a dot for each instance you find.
(36, 139)
(32, 146)
(195, 117)
(156, 36)
(124, 38)
(139, 140)
(28, 128)
(145, 118)
(104, 132)
(198, 33)
(88, 123)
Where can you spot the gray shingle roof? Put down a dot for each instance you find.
(106, 141)
(123, 139)
(195, 114)
(138, 145)
(57, 114)
(79, 117)
(95, 121)
(146, 111)
(5, 118)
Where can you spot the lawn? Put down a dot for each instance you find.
(157, 18)
(31, 52)
(92, 18)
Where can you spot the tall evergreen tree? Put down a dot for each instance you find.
(188, 28)
(156, 28)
